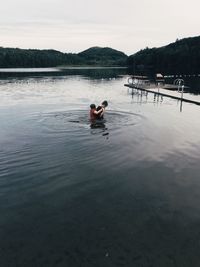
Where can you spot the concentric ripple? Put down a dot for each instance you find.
(74, 120)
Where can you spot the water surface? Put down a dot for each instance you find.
(124, 193)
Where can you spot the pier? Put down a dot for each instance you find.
(144, 85)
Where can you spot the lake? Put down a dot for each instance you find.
(125, 192)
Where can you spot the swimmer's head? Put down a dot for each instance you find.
(92, 106)
(105, 103)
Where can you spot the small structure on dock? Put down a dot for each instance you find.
(139, 81)
(160, 78)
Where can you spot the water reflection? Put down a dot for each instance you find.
(89, 202)
(99, 127)
(91, 73)
(140, 96)
(144, 97)
(181, 106)
(157, 98)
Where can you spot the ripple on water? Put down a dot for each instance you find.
(48, 156)
(83, 139)
(77, 121)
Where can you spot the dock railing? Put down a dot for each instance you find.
(139, 81)
(180, 83)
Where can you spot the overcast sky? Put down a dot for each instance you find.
(75, 25)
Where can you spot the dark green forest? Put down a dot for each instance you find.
(107, 56)
(32, 58)
(180, 57)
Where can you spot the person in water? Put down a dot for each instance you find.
(93, 112)
(101, 110)
(97, 113)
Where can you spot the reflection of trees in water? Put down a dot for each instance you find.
(97, 73)
(92, 73)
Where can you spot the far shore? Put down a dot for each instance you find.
(56, 69)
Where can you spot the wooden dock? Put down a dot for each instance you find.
(165, 92)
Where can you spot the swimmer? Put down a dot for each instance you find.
(101, 109)
(93, 112)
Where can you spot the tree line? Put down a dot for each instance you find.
(180, 57)
(33, 58)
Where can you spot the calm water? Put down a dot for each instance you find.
(125, 193)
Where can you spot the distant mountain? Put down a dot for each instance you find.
(16, 57)
(103, 56)
(180, 57)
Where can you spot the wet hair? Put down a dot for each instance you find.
(105, 103)
(99, 107)
(92, 106)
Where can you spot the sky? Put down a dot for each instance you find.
(74, 25)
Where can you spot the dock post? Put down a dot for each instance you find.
(158, 87)
(182, 91)
(179, 84)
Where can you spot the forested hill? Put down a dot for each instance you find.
(103, 56)
(180, 57)
(15, 58)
